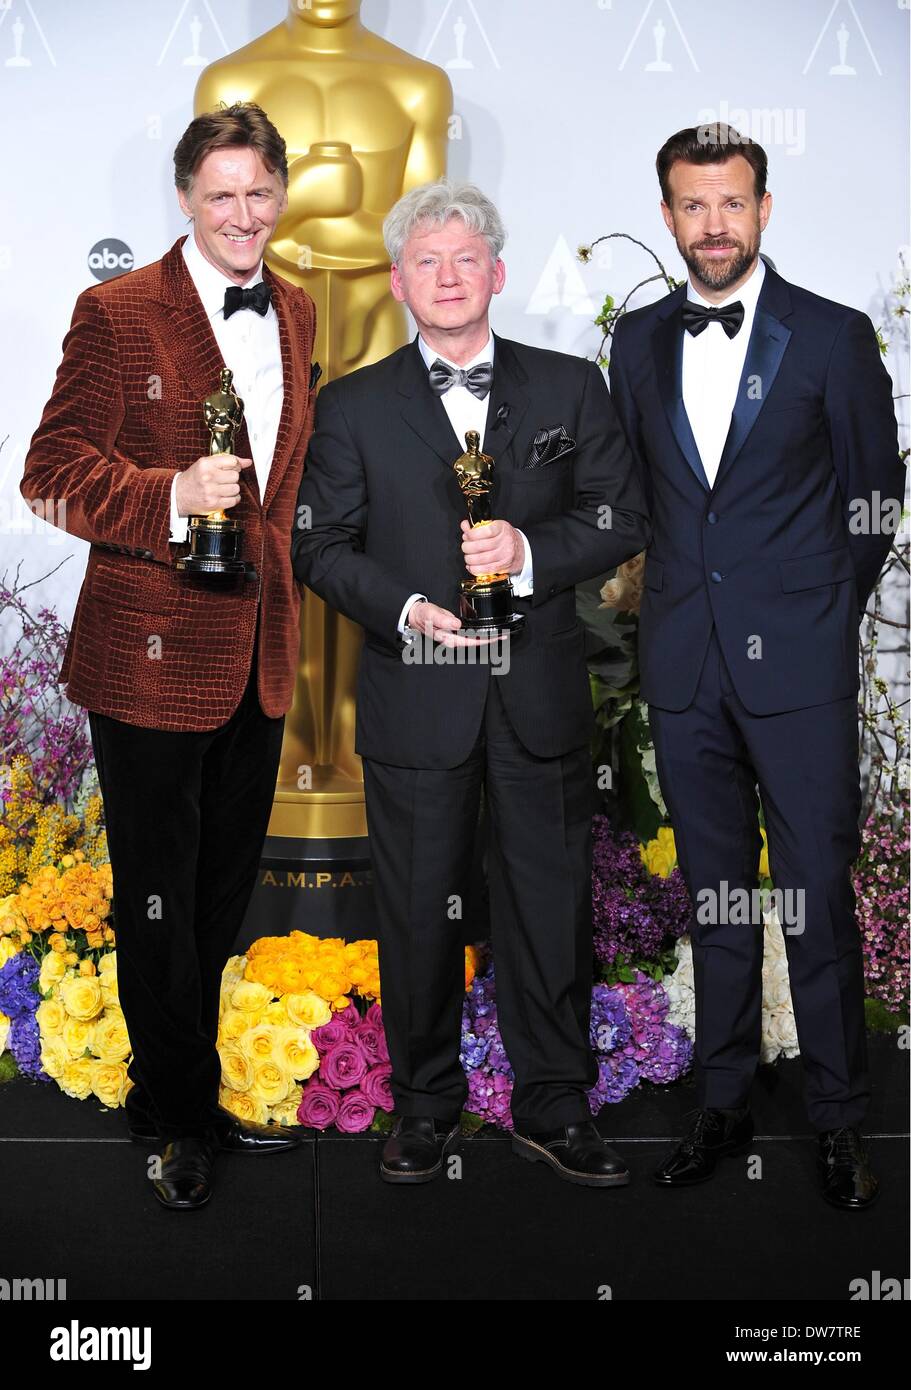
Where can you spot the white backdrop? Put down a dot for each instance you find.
(563, 105)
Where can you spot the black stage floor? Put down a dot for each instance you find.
(319, 1223)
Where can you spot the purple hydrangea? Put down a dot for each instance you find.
(610, 1025)
(24, 1043)
(19, 986)
(19, 998)
(636, 914)
(629, 1033)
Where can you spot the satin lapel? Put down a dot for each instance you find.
(768, 341)
(295, 378)
(667, 350)
(424, 411)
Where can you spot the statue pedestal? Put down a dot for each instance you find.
(325, 888)
(322, 887)
(333, 809)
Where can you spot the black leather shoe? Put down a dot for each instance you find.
(713, 1134)
(415, 1149)
(576, 1152)
(187, 1174)
(233, 1137)
(237, 1138)
(845, 1175)
(141, 1129)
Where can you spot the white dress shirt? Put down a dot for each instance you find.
(249, 345)
(712, 367)
(467, 412)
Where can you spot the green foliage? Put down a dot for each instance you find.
(879, 1019)
(607, 313)
(638, 808)
(623, 971)
(470, 1124)
(8, 1069)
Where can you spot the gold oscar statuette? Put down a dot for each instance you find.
(215, 539)
(364, 122)
(485, 600)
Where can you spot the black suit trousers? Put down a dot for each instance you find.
(186, 815)
(422, 826)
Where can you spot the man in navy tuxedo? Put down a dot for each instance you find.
(762, 419)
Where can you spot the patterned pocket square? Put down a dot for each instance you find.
(548, 445)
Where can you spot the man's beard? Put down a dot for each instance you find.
(717, 275)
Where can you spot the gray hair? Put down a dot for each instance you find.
(433, 204)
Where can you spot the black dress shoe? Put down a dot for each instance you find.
(576, 1152)
(415, 1149)
(141, 1129)
(713, 1134)
(845, 1175)
(186, 1176)
(237, 1138)
(233, 1136)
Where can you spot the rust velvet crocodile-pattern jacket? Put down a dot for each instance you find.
(126, 413)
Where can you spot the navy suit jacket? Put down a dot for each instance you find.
(766, 553)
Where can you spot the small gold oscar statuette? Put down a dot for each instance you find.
(485, 600)
(215, 539)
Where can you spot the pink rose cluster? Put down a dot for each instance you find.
(352, 1080)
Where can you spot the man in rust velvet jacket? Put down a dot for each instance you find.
(186, 679)
(109, 450)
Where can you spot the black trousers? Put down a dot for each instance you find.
(186, 815)
(422, 827)
(710, 758)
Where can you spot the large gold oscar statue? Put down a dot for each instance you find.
(364, 122)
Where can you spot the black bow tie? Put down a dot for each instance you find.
(258, 297)
(697, 316)
(477, 379)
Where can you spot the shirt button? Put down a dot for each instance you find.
(716, 577)
(711, 518)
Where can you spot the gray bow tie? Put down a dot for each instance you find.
(477, 379)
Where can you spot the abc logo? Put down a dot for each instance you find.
(109, 258)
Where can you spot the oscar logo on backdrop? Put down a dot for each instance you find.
(364, 122)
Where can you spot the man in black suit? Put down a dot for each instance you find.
(762, 418)
(383, 536)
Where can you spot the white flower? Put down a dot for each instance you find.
(779, 1028)
(679, 988)
(650, 773)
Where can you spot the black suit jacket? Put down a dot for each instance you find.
(772, 550)
(383, 523)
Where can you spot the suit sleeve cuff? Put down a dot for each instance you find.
(179, 525)
(404, 630)
(523, 583)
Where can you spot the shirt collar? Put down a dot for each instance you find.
(430, 356)
(209, 281)
(748, 293)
